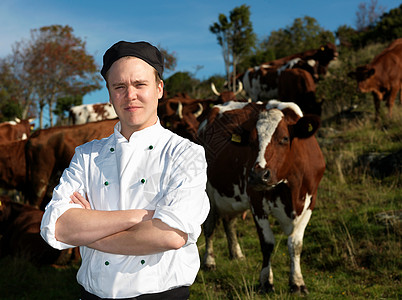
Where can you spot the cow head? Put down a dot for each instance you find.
(363, 75)
(325, 54)
(226, 96)
(277, 131)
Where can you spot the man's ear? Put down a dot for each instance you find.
(160, 88)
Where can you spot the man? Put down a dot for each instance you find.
(134, 202)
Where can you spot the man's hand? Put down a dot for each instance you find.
(77, 198)
(82, 227)
(145, 238)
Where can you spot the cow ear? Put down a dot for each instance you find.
(306, 126)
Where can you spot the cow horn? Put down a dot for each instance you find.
(199, 111)
(180, 110)
(214, 89)
(240, 88)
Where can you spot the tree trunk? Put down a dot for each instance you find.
(41, 118)
(50, 113)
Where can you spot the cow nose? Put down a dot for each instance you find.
(259, 175)
(266, 175)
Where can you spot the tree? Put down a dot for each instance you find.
(345, 35)
(389, 27)
(9, 108)
(385, 29)
(54, 64)
(15, 100)
(170, 59)
(302, 35)
(180, 82)
(367, 15)
(63, 105)
(236, 37)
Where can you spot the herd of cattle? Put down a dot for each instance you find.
(262, 154)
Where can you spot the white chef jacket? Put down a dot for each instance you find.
(155, 170)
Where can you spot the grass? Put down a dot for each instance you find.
(351, 251)
(22, 280)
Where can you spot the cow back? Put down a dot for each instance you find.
(13, 165)
(49, 152)
(298, 86)
(20, 230)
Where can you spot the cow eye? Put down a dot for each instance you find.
(285, 140)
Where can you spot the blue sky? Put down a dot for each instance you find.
(181, 27)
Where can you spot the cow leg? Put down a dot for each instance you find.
(267, 243)
(295, 245)
(377, 102)
(391, 100)
(229, 223)
(209, 229)
(400, 94)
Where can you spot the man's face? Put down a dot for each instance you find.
(134, 93)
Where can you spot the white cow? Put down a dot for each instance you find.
(86, 113)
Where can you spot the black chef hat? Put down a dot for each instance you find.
(142, 50)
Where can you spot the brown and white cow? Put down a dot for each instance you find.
(20, 230)
(15, 130)
(180, 113)
(261, 82)
(302, 91)
(183, 114)
(322, 56)
(49, 152)
(86, 113)
(264, 156)
(382, 77)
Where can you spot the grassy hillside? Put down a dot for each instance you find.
(352, 244)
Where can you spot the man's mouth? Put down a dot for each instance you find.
(132, 108)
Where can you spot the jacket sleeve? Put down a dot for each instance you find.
(71, 180)
(185, 205)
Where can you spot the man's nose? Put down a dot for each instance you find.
(131, 92)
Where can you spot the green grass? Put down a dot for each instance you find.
(21, 280)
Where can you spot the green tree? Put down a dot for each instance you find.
(302, 35)
(54, 64)
(15, 100)
(387, 29)
(257, 58)
(345, 34)
(236, 37)
(383, 29)
(180, 82)
(63, 105)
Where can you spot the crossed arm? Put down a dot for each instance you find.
(126, 232)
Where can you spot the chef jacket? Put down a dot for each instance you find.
(155, 170)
